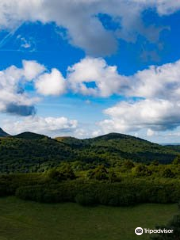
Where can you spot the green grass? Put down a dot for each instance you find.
(21, 220)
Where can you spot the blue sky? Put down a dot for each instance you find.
(87, 68)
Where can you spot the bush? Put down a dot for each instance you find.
(99, 173)
(155, 163)
(86, 199)
(176, 161)
(141, 170)
(112, 177)
(41, 193)
(88, 192)
(63, 173)
(128, 164)
(167, 173)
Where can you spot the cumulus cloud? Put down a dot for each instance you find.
(31, 69)
(158, 89)
(157, 115)
(51, 83)
(92, 76)
(157, 82)
(48, 125)
(165, 7)
(80, 18)
(14, 99)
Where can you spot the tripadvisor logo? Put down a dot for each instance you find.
(138, 231)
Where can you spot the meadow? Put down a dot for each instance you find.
(26, 220)
(93, 189)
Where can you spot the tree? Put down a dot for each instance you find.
(128, 164)
(63, 173)
(99, 173)
(112, 177)
(167, 173)
(155, 163)
(141, 170)
(177, 160)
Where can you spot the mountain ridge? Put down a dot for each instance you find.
(3, 133)
(35, 152)
(108, 136)
(30, 135)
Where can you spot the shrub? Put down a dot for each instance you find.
(141, 170)
(112, 177)
(128, 164)
(63, 173)
(167, 173)
(155, 163)
(99, 173)
(176, 161)
(41, 193)
(85, 199)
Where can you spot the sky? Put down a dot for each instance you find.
(85, 68)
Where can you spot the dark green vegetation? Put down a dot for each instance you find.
(98, 186)
(173, 224)
(106, 170)
(30, 152)
(22, 220)
(30, 136)
(3, 133)
(111, 170)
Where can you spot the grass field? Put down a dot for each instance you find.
(20, 220)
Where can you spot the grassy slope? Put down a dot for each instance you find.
(120, 146)
(21, 220)
(33, 152)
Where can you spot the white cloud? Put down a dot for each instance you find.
(157, 82)
(166, 7)
(155, 115)
(32, 69)
(79, 17)
(92, 76)
(150, 133)
(48, 125)
(15, 99)
(51, 83)
(158, 89)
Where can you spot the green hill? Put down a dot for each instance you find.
(3, 133)
(34, 152)
(116, 146)
(30, 135)
(132, 147)
(174, 147)
(24, 154)
(70, 141)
